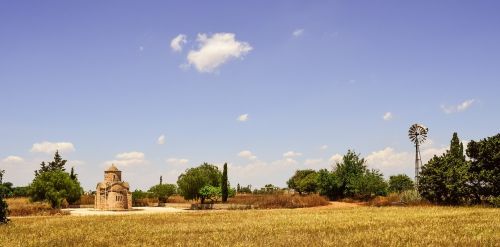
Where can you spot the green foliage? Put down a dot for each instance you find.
(139, 194)
(4, 211)
(21, 191)
(6, 189)
(444, 179)
(303, 181)
(56, 165)
(2, 173)
(245, 189)
(494, 201)
(54, 187)
(349, 171)
(224, 184)
(328, 184)
(400, 183)
(163, 191)
(209, 192)
(369, 184)
(191, 181)
(485, 167)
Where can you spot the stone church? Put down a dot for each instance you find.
(113, 193)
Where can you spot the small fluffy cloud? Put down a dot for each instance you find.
(313, 162)
(177, 161)
(457, 108)
(324, 147)
(216, 50)
(298, 32)
(177, 42)
(336, 158)
(13, 159)
(51, 147)
(387, 157)
(161, 140)
(387, 116)
(291, 154)
(128, 159)
(247, 155)
(243, 118)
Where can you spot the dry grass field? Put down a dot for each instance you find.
(323, 226)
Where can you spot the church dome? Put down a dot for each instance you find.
(112, 168)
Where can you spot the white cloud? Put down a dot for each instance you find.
(216, 50)
(298, 32)
(177, 161)
(51, 147)
(177, 42)
(247, 155)
(336, 158)
(457, 108)
(161, 140)
(324, 147)
(243, 118)
(291, 154)
(387, 157)
(387, 116)
(13, 159)
(128, 159)
(313, 162)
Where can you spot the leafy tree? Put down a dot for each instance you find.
(21, 191)
(328, 184)
(349, 171)
(56, 165)
(2, 172)
(371, 183)
(192, 180)
(163, 191)
(209, 192)
(303, 181)
(400, 183)
(485, 167)
(444, 179)
(4, 211)
(6, 189)
(54, 187)
(224, 184)
(72, 174)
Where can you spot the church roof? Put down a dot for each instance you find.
(112, 168)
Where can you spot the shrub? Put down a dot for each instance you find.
(411, 197)
(400, 183)
(211, 193)
(163, 191)
(494, 201)
(23, 207)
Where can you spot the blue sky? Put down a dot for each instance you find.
(103, 81)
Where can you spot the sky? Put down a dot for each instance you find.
(269, 87)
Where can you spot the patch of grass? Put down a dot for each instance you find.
(359, 226)
(23, 207)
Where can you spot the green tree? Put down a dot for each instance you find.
(348, 171)
(370, 184)
(444, 179)
(54, 187)
(4, 211)
(328, 184)
(56, 165)
(192, 180)
(72, 174)
(400, 183)
(224, 184)
(485, 168)
(6, 189)
(2, 172)
(209, 192)
(163, 191)
(303, 181)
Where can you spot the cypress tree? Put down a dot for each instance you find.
(224, 185)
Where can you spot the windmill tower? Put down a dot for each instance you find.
(417, 135)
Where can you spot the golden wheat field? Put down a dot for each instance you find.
(357, 226)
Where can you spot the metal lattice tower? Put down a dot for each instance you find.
(417, 135)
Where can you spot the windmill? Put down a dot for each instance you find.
(417, 135)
